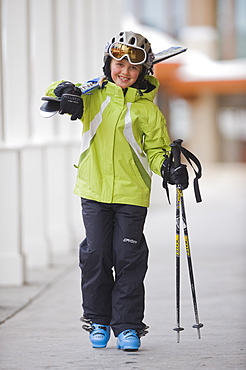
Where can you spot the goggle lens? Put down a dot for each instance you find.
(135, 55)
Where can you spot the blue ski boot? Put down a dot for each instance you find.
(99, 334)
(128, 340)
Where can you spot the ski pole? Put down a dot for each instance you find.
(180, 201)
(176, 156)
(178, 328)
(197, 325)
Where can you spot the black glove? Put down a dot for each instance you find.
(174, 176)
(71, 104)
(71, 101)
(180, 176)
(67, 88)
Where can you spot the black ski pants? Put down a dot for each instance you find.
(113, 262)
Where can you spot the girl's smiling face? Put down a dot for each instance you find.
(123, 73)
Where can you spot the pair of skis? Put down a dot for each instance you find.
(180, 206)
(52, 105)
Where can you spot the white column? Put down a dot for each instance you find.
(35, 245)
(204, 107)
(205, 127)
(15, 78)
(57, 190)
(42, 67)
(14, 131)
(12, 267)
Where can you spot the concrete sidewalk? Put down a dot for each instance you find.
(40, 322)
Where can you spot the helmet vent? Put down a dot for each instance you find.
(121, 39)
(132, 41)
(113, 40)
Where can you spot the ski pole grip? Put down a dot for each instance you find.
(176, 151)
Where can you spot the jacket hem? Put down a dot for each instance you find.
(114, 200)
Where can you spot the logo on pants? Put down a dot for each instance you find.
(126, 240)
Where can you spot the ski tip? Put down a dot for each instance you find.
(168, 53)
(50, 106)
(45, 114)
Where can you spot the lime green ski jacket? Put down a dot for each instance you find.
(124, 139)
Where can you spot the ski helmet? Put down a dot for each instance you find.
(132, 45)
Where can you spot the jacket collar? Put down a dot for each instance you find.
(132, 94)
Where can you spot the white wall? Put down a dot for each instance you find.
(42, 41)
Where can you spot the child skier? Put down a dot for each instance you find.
(124, 138)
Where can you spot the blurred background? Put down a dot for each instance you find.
(202, 95)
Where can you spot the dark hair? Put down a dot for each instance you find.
(106, 68)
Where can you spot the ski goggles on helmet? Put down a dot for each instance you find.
(134, 54)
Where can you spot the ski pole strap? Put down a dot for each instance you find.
(192, 160)
(165, 174)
